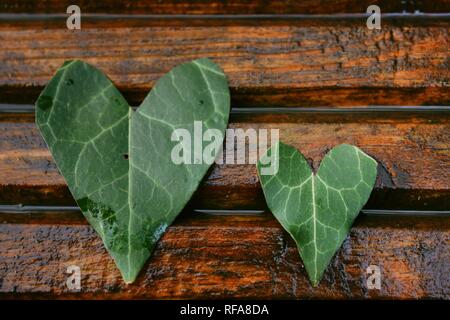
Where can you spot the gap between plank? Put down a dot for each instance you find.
(25, 108)
(105, 16)
(66, 209)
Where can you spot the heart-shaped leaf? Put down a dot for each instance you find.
(117, 162)
(317, 210)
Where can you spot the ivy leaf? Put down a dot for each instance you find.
(117, 162)
(317, 210)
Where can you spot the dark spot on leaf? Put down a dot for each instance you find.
(100, 212)
(97, 210)
(125, 156)
(201, 102)
(69, 82)
(44, 102)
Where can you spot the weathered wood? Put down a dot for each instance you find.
(224, 6)
(270, 62)
(295, 64)
(228, 257)
(412, 151)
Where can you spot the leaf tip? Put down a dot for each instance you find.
(314, 278)
(129, 276)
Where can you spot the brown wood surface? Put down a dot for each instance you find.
(296, 64)
(277, 61)
(223, 6)
(226, 256)
(412, 151)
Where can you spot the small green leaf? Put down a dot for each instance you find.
(318, 210)
(117, 162)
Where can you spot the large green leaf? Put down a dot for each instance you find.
(117, 162)
(317, 210)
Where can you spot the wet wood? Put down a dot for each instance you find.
(276, 61)
(228, 257)
(223, 6)
(412, 151)
(321, 63)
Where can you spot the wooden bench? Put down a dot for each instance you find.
(316, 72)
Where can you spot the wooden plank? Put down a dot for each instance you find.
(223, 6)
(298, 63)
(412, 150)
(227, 257)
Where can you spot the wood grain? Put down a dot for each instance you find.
(270, 62)
(228, 257)
(412, 151)
(294, 64)
(223, 6)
